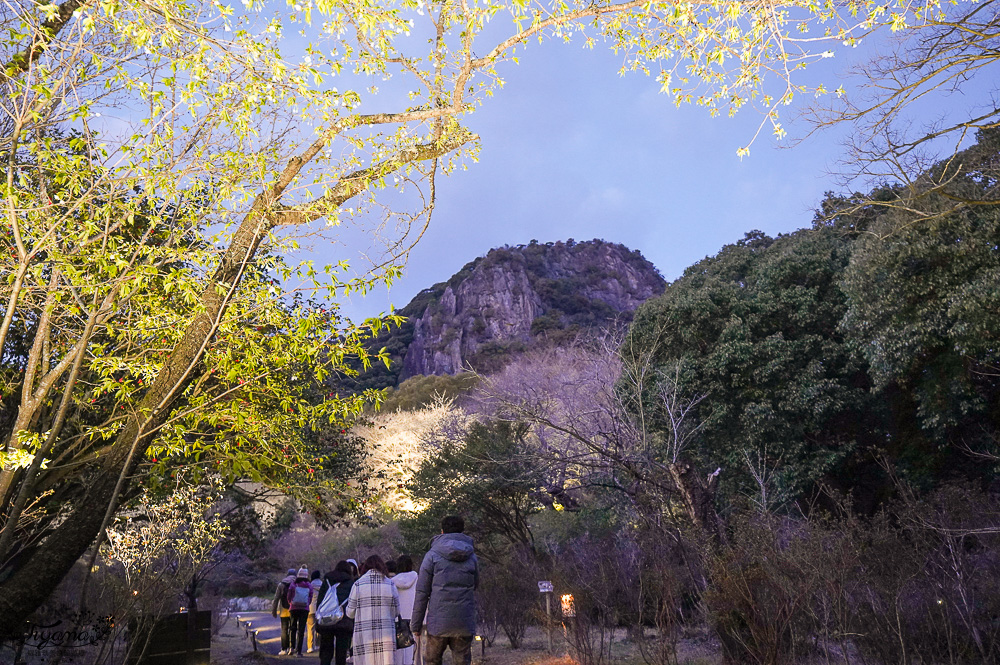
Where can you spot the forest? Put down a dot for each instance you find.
(790, 456)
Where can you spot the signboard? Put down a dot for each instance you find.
(545, 587)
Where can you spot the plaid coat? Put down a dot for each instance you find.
(374, 605)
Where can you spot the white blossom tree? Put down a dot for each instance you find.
(398, 442)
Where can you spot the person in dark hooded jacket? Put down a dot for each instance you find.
(445, 595)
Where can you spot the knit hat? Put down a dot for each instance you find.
(291, 571)
(303, 572)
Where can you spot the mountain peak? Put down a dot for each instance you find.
(515, 298)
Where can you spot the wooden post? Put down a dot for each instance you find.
(548, 615)
(545, 587)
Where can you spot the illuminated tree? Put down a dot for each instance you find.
(397, 443)
(166, 544)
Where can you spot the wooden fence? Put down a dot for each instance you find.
(178, 639)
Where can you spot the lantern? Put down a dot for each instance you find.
(568, 606)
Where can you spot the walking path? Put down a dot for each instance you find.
(268, 631)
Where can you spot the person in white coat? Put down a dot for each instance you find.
(405, 582)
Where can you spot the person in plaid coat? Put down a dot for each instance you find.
(374, 606)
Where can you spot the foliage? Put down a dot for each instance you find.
(819, 351)
(250, 529)
(320, 549)
(567, 396)
(912, 584)
(602, 575)
(156, 152)
(487, 477)
(396, 444)
(155, 557)
(585, 439)
(759, 591)
(495, 355)
(507, 594)
(419, 392)
(257, 391)
(180, 531)
(755, 328)
(923, 308)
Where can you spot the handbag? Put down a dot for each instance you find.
(330, 612)
(404, 636)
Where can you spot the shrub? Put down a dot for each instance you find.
(917, 584)
(508, 595)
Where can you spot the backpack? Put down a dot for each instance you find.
(301, 595)
(330, 611)
(283, 600)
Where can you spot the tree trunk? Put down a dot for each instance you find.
(699, 499)
(191, 593)
(28, 587)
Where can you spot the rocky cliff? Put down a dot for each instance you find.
(513, 299)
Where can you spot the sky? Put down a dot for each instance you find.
(570, 149)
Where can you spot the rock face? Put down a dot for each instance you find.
(249, 604)
(517, 297)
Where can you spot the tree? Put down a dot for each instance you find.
(591, 431)
(949, 52)
(923, 310)
(397, 444)
(169, 544)
(755, 329)
(488, 477)
(420, 391)
(824, 355)
(198, 122)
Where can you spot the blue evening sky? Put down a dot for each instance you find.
(573, 150)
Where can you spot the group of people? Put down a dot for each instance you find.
(438, 601)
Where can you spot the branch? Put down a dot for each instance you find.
(21, 61)
(358, 181)
(592, 11)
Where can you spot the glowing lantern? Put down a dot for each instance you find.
(568, 606)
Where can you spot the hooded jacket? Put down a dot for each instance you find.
(279, 605)
(405, 583)
(445, 592)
